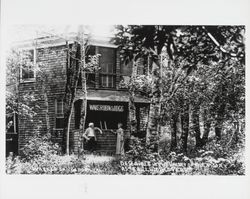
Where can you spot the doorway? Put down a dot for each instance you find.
(104, 114)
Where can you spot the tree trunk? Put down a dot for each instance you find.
(185, 128)
(132, 113)
(173, 145)
(206, 133)
(68, 131)
(46, 103)
(219, 121)
(218, 129)
(84, 103)
(196, 126)
(235, 134)
(206, 125)
(84, 82)
(154, 111)
(237, 131)
(221, 106)
(72, 73)
(131, 104)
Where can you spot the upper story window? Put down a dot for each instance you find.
(59, 114)
(108, 67)
(90, 76)
(27, 72)
(107, 72)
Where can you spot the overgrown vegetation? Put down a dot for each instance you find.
(40, 156)
(196, 83)
(43, 157)
(212, 160)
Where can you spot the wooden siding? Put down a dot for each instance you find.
(53, 61)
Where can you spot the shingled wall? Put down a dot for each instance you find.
(52, 60)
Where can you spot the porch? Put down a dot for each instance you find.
(105, 109)
(106, 142)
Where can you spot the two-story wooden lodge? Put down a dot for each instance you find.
(107, 103)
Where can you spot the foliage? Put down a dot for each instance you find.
(92, 64)
(15, 103)
(138, 161)
(57, 164)
(202, 69)
(141, 83)
(39, 146)
(179, 164)
(40, 156)
(140, 150)
(214, 159)
(202, 75)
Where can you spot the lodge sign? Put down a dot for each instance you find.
(113, 108)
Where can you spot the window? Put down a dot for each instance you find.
(108, 67)
(90, 80)
(28, 65)
(108, 75)
(90, 52)
(90, 75)
(59, 119)
(11, 123)
(107, 81)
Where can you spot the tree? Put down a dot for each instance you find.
(147, 41)
(193, 56)
(131, 104)
(16, 103)
(76, 68)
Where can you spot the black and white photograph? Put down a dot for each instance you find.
(126, 99)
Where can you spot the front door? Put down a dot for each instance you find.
(11, 134)
(106, 115)
(11, 143)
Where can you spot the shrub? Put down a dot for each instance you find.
(57, 164)
(38, 146)
(204, 163)
(13, 165)
(139, 150)
(41, 156)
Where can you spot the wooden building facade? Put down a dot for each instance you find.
(107, 103)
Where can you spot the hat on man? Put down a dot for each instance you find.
(91, 124)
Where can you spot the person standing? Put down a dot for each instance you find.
(120, 140)
(90, 136)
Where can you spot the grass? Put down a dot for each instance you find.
(90, 158)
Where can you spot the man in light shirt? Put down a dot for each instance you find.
(90, 136)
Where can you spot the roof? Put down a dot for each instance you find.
(50, 41)
(111, 95)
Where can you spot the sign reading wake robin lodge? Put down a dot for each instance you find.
(113, 108)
